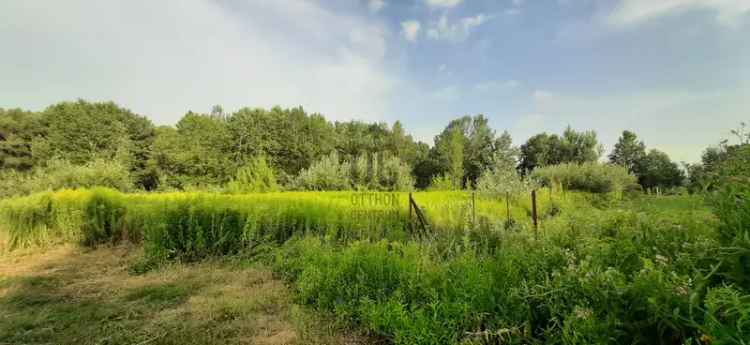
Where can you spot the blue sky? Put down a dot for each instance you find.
(675, 71)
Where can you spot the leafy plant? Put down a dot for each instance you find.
(256, 176)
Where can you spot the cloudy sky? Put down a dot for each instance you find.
(677, 72)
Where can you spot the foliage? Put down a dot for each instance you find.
(732, 206)
(572, 147)
(364, 172)
(618, 278)
(502, 179)
(327, 174)
(256, 176)
(18, 129)
(395, 175)
(61, 174)
(466, 148)
(443, 182)
(628, 151)
(639, 272)
(589, 177)
(655, 169)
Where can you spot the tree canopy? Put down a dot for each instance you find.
(299, 148)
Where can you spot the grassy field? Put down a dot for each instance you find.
(70, 295)
(215, 268)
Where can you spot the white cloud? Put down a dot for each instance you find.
(161, 60)
(375, 5)
(518, 3)
(629, 12)
(410, 30)
(512, 11)
(442, 3)
(442, 68)
(456, 31)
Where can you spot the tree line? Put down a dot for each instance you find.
(301, 150)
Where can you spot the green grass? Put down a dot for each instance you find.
(69, 296)
(196, 225)
(602, 269)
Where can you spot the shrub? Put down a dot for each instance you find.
(502, 180)
(256, 176)
(588, 177)
(732, 206)
(395, 175)
(443, 182)
(327, 174)
(61, 174)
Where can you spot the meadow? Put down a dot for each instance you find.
(601, 269)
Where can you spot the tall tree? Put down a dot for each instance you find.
(195, 152)
(18, 130)
(540, 150)
(655, 169)
(456, 157)
(82, 131)
(572, 147)
(580, 147)
(628, 151)
(478, 142)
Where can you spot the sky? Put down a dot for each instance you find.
(676, 72)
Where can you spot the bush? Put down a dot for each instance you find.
(365, 172)
(327, 174)
(588, 177)
(256, 176)
(395, 175)
(442, 182)
(502, 180)
(61, 174)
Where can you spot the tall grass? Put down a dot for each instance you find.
(603, 270)
(597, 277)
(194, 225)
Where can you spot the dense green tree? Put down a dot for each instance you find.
(476, 140)
(722, 163)
(193, 153)
(505, 153)
(540, 150)
(580, 147)
(628, 151)
(655, 169)
(572, 147)
(290, 138)
(82, 131)
(18, 130)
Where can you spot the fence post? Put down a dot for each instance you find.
(533, 213)
(411, 222)
(507, 206)
(473, 208)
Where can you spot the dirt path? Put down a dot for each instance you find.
(68, 295)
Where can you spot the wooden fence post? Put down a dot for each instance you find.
(507, 206)
(533, 214)
(411, 221)
(473, 208)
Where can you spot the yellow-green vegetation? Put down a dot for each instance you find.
(69, 295)
(193, 225)
(602, 269)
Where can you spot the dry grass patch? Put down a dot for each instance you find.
(69, 295)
